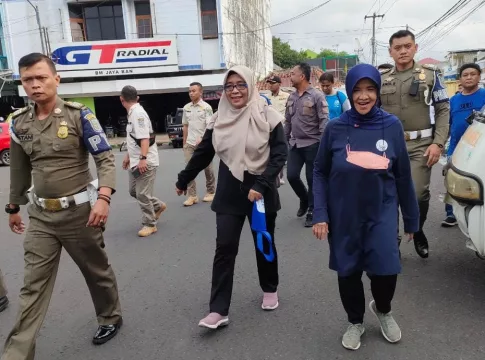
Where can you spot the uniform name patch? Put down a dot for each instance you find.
(25, 137)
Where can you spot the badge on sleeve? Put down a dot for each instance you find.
(141, 122)
(439, 93)
(94, 137)
(62, 132)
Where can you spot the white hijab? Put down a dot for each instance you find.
(241, 136)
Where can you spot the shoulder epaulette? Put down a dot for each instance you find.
(74, 105)
(20, 112)
(384, 71)
(430, 67)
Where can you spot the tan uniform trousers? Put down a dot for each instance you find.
(141, 189)
(421, 173)
(210, 179)
(47, 234)
(3, 288)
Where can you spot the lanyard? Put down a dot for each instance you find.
(258, 225)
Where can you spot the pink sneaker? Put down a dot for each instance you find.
(270, 301)
(213, 321)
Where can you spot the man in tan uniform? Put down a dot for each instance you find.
(3, 294)
(196, 115)
(141, 161)
(408, 90)
(278, 100)
(50, 147)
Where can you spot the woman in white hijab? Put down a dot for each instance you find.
(247, 136)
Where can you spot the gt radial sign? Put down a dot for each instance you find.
(112, 58)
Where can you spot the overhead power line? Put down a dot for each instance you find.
(451, 26)
(459, 5)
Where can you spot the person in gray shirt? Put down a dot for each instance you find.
(306, 117)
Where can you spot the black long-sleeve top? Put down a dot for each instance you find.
(231, 194)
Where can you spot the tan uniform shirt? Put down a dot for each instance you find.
(279, 102)
(413, 111)
(196, 117)
(140, 127)
(54, 153)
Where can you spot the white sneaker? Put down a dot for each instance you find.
(351, 338)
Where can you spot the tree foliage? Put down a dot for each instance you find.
(286, 57)
(326, 53)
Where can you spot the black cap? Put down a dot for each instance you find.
(274, 79)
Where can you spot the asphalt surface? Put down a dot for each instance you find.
(164, 284)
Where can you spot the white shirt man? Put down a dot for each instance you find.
(141, 161)
(140, 127)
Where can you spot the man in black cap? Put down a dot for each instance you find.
(278, 100)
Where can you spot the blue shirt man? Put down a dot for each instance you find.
(461, 107)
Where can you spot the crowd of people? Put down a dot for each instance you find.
(381, 135)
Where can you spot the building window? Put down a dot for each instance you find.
(78, 27)
(208, 18)
(143, 20)
(97, 21)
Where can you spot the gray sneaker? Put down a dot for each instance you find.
(389, 327)
(351, 338)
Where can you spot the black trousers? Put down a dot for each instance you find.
(352, 294)
(229, 229)
(297, 157)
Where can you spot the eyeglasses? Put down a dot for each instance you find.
(230, 87)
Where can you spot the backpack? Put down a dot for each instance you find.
(340, 101)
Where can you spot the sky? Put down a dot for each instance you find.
(340, 22)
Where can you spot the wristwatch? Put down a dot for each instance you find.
(143, 157)
(11, 211)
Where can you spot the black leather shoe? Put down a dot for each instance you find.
(309, 219)
(3, 303)
(106, 332)
(303, 208)
(421, 244)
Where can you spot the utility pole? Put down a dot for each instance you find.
(374, 17)
(36, 8)
(409, 28)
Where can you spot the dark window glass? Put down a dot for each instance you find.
(118, 10)
(209, 25)
(75, 11)
(104, 22)
(108, 30)
(93, 30)
(207, 5)
(120, 28)
(142, 9)
(91, 12)
(106, 11)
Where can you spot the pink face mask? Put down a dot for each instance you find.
(367, 159)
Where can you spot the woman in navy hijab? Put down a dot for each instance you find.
(362, 172)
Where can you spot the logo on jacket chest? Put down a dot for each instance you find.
(382, 145)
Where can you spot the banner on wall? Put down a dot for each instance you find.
(115, 58)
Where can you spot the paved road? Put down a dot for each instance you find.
(164, 286)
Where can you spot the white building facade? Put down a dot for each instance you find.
(158, 46)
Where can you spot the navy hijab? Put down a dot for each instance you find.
(376, 118)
